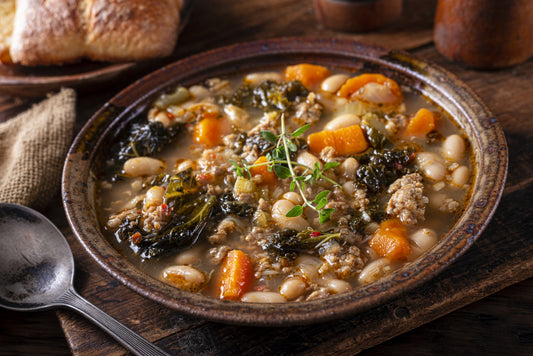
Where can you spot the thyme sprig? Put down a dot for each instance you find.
(279, 161)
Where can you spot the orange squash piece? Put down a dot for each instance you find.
(236, 275)
(421, 124)
(390, 240)
(269, 177)
(346, 141)
(308, 74)
(208, 131)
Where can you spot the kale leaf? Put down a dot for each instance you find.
(272, 96)
(183, 231)
(381, 167)
(144, 139)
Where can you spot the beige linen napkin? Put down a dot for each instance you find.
(33, 146)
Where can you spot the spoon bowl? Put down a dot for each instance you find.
(36, 268)
(37, 273)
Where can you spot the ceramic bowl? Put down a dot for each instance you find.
(84, 162)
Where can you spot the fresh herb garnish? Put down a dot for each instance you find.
(279, 161)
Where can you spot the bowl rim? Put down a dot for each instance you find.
(430, 79)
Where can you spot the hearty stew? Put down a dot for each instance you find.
(284, 185)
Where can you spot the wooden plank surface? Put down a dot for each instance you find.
(503, 256)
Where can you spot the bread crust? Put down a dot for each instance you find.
(61, 31)
(7, 16)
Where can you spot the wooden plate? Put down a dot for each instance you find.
(88, 152)
(36, 81)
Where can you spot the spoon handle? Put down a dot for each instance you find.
(129, 339)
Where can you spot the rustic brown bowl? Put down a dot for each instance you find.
(486, 138)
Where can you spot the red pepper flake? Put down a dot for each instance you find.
(136, 238)
(165, 209)
(170, 115)
(203, 179)
(315, 233)
(398, 166)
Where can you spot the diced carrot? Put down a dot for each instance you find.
(269, 177)
(236, 275)
(308, 74)
(346, 141)
(390, 240)
(208, 131)
(350, 88)
(421, 124)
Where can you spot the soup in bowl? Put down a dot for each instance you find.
(283, 185)
(283, 190)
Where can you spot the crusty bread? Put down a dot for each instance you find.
(7, 16)
(61, 31)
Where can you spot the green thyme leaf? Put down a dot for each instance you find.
(300, 130)
(296, 211)
(323, 194)
(281, 171)
(292, 186)
(322, 203)
(331, 165)
(292, 146)
(324, 215)
(269, 136)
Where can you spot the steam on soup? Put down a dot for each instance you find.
(284, 185)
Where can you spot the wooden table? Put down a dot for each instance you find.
(481, 304)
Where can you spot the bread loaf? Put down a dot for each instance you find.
(46, 32)
(7, 15)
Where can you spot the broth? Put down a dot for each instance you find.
(284, 185)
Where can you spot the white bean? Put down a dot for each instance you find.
(154, 197)
(431, 165)
(263, 297)
(199, 92)
(293, 197)
(279, 212)
(435, 171)
(348, 167)
(184, 277)
(143, 166)
(342, 121)
(460, 176)
(338, 285)
(237, 116)
(308, 266)
(348, 187)
(152, 113)
(308, 159)
(333, 83)
(292, 288)
(183, 165)
(375, 270)
(422, 240)
(257, 78)
(378, 94)
(163, 118)
(189, 257)
(136, 184)
(454, 148)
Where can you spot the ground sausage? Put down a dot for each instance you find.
(407, 202)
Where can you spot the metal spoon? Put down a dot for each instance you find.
(37, 272)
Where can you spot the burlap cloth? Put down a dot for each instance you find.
(33, 146)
